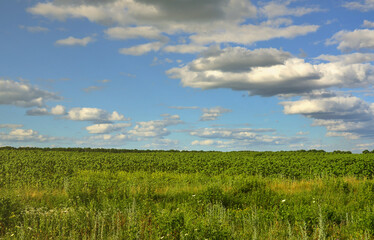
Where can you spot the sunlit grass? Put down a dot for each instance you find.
(104, 203)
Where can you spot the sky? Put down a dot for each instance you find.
(223, 75)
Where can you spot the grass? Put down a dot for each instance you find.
(139, 205)
(185, 195)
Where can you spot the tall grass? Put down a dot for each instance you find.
(67, 195)
(107, 205)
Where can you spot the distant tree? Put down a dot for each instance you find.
(365, 151)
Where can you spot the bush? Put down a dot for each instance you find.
(10, 213)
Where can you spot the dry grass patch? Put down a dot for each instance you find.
(294, 186)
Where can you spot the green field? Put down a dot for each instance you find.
(130, 194)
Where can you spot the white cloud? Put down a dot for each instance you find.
(107, 127)
(183, 107)
(12, 126)
(229, 133)
(163, 144)
(204, 22)
(368, 24)
(249, 34)
(277, 22)
(94, 114)
(58, 110)
(93, 88)
(24, 135)
(34, 29)
(124, 33)
(142, 131)
(240, 138)
(275, 9)
(238, 59)
(364, 6)
(104, 140)
(346, 116)
(356, 40)
(327, 108)
(184, 48)
(103, 81)
(301, 133)
(211, 114)
(141, 49)
(269, 72)
(210, 142)
(72, 41)
(351, 58)
(23, 95)
(365, 145)
(180, 15)
(37, 112)
(156, 128)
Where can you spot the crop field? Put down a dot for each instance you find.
(130, 194)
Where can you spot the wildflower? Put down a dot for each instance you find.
(194, 195)
(283, 200)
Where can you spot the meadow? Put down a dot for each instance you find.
(131, 194)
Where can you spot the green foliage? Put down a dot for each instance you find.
(10, 213)
(131, 194)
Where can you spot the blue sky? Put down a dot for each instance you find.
(187, 74)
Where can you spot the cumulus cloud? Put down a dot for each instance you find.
(205, 22)
(24, 135)
(143, 131)
(368, 24)
(141, 49)
(187, 16)
(238, 59)
(335, 107)
(58, 110)
(23, 94)
(269, 72)
(72, 41)
(346, 116)
(105, 128)
(155, 128)
(94, 114)
(211, 114)
(364, 6)
(355, 40)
